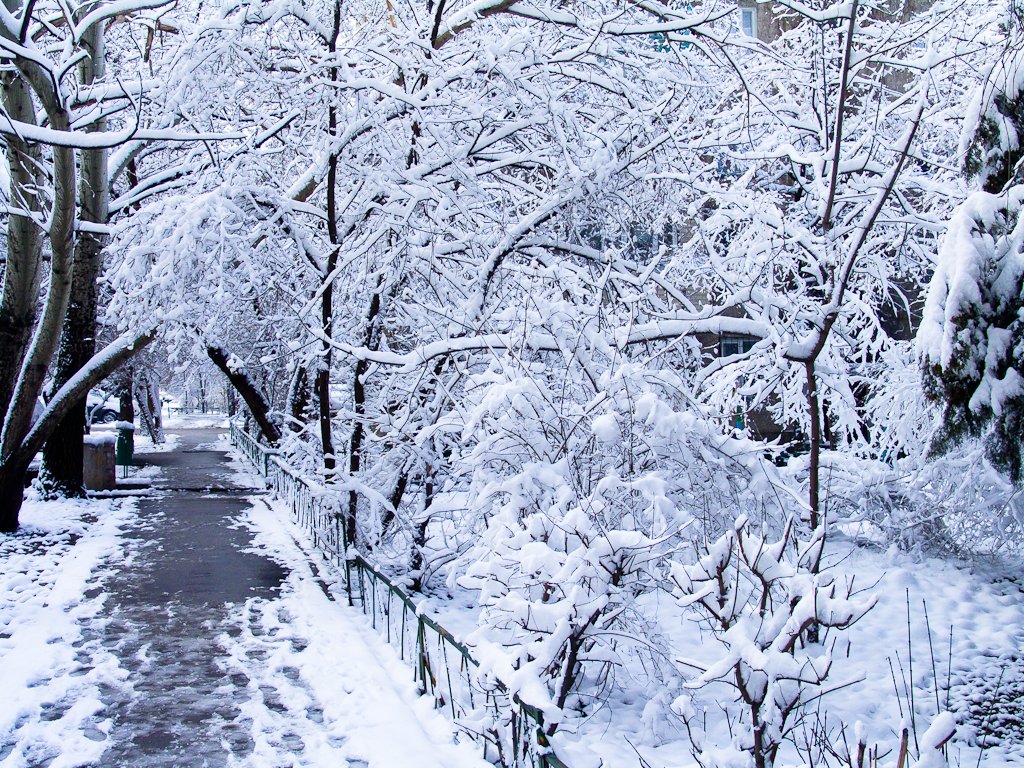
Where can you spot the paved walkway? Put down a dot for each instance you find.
(171, 607)
(234, 653)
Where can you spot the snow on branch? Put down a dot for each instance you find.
(103, 139)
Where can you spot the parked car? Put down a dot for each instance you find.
(98, 410)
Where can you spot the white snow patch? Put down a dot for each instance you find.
(50, 572)
(322, 656)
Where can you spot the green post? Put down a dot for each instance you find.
(124, 448)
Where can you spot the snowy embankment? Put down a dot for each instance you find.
(887, 672)
(320, 676)
(51, 711)
(943, 635)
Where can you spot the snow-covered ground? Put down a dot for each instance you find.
(319, 686)
(944, 634)
(51, 571)
(324, 689)
(890, 674)
(941, 630)
(320, 675)
(194, 420)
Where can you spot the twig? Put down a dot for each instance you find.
(910, 687)
(931, 651)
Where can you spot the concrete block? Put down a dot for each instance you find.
(98, 469)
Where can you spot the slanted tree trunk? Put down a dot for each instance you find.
(14, 462)
(62, 454)
(156, 405)
(251, 395)
(149, 409)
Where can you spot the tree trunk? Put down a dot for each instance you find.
(39, 354)
(149, 410)
(126, 404)
(323, 374)
(14, 462)
(156, 406)
(253, 398)
(419, 542)
(62, 455)
(23, 272)
(814, 414)
(12, 494)
(355, 442)
(298, 398)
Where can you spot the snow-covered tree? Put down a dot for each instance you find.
(972, 335)
(61, 114)
(815, 225)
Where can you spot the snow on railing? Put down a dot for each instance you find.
(511, 732)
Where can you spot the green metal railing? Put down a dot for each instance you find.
(511, 732)
(259, 455)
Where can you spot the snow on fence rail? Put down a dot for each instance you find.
(511, 731)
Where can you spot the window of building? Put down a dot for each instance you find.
(748, 22)
(735, 345)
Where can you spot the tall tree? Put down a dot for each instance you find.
(45, 126)
(62, 455)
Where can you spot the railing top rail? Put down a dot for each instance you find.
(274, 456)
(402, 595)
(313, 485)
(234, 426)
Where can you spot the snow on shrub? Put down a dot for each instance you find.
(971, 338)
(759, 599)
(584, 503)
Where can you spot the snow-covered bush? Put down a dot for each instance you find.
(971, 337)
(583, 499)
(759, 598)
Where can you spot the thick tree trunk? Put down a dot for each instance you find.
(18, 419)
(62, 473)
(23, 271)
(253, 398)
(12, 494)
(62, 454)
(15, 462)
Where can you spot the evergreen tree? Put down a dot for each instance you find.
(972, 334)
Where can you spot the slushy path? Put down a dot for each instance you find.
(170, 607)
(235, 651)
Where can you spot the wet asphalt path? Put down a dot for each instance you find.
(172, 603)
